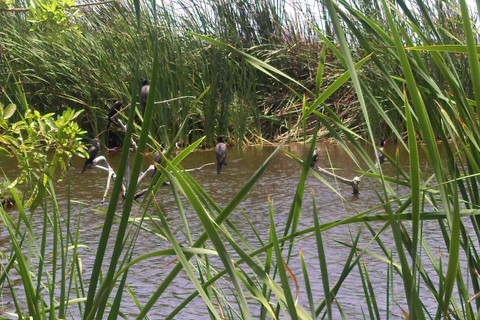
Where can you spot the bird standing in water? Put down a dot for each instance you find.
(144, 94)
(92, 154)
(158, 159)
(316, 153)
(380, 156)
(220, 152)
(116, 107)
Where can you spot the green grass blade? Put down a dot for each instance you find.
(281, 267)
(181, 256)
(322, 260)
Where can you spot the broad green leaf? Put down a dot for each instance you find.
(9, 111)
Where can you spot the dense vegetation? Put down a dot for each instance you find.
(408, 69)
(88, 64)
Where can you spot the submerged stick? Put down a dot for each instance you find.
(354, 182)
(111, 174)
(152, 167)
(208, 164)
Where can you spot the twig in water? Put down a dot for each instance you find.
(209, 164)
(111, 174)
(354, 182)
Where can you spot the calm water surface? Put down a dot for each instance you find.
(279, 182)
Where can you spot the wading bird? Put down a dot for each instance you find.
(92, 154)
(380, 156)
(115, 108)
(158, 159)
(316, 153)
(144, 94)
(220, 152)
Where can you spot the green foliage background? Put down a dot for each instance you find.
(83, 59)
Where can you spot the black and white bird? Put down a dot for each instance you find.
(380, 156)
(144, 94)
(316, 153)
(220, 152)
(92, 154)
(114, 109)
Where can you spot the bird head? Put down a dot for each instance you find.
(382, 143)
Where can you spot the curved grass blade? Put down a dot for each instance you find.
(434, 157)
(180, 254)
(257, 63)
(219, 220)
(177, 180)
(322, 260)
(280, 266)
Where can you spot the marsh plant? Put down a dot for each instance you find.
(429, 100)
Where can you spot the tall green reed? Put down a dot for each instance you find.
(91, 69)
(450, 192)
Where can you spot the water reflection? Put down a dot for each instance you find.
(279, 183)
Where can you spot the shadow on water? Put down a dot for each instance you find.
(279, 182)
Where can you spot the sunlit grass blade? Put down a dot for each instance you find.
(24, 270)
(261, 65)
(415, 194)
(181, 256)
(321, 65)
(280, 266)
(434, 156)
(257, 294)
(104, 291)
(293, 218)
(369, 292)
(347, 269)
(219, 220)
(308, 288)
(322, 260)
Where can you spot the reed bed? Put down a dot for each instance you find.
(424, 66)
(91, 66)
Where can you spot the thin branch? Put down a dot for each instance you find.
(156, 102)
(170, 100)
(354, 182)
(93, 3)
(201, 167)
(111, 174)
(120, 123)
(331, 174)
(209, 164)
(150, 169)
(20, 10)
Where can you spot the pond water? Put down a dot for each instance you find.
(279, 182)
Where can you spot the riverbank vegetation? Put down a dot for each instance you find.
(409, 70)
(87, 65)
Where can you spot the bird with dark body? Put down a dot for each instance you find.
(158, 159)
(316, 153)
(144, 94)
(92, 154)
(380, 156)
(220, 152)
(114, 109)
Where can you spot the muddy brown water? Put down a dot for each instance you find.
(279, 182)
